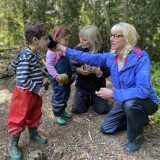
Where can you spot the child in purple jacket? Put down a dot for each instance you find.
(58, 66)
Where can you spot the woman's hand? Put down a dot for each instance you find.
(60, 48)
(83, 71)
(92, 69)
(105, 93)
(96, 70)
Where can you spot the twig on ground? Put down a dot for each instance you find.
(78, 138)
(88, 120)
(73, 157)
(90, 136)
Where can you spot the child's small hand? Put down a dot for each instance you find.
(41, 92)
(46, 83)
(62, 79)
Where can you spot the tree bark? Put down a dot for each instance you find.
(125, 10)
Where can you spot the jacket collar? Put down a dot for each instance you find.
(133, 57)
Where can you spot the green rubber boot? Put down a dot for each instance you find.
(60, 120)
(13, 149)
(67, 115)
(35, 137)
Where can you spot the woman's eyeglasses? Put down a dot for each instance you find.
(115, 36)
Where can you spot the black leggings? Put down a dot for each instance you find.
(83, 101)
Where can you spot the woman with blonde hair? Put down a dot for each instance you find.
(132, 91)
(90, 78)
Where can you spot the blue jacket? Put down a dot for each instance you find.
(133, 81)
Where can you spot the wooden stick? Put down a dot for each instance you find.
(90, 136)
(88, 119)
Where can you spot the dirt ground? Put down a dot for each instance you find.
(80, 139)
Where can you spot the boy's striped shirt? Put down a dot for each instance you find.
(28, 72)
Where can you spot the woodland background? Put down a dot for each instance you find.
(144, 15)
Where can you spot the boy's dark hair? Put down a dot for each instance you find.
(52, 43)
(35, 29)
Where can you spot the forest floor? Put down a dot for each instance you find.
(80, 139)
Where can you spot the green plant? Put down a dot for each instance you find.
(155, 79)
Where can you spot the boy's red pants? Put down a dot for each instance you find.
(25, 110)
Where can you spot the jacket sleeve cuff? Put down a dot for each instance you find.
(115, 95)
(36, 89)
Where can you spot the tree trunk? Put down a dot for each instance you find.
(106, 14)
(125, 10)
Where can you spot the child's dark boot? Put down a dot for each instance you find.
(35, 137)
(13, 149)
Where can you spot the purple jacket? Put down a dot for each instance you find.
(51, 60)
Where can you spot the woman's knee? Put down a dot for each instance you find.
(106, 129)
(101, 111)
(78, 109)
(129, 103)
(131, 107)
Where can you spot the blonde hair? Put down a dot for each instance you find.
(92, 34)
(61, 31)
(130, 35)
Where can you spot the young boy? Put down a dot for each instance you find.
(26, 103)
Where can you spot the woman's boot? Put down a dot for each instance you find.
(13, 149)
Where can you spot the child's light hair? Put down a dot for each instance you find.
(130, 35)
(92, 34)
(61, 31)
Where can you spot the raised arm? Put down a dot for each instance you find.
(99, 60)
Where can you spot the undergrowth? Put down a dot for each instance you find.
(155, 80)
